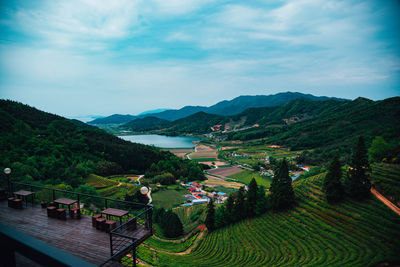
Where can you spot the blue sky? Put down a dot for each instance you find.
(81, 57)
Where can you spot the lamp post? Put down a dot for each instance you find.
(7, 172)
(146, 192)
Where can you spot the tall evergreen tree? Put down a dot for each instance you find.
(252, 197)
(358, 184)
(210, 217)
(239, 208)
(332, 186)
(229, 208)
(282, 195)
(262, 202)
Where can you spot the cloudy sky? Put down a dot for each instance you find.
(81, 57)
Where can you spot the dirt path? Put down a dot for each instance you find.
(385, 201)
(187, 251)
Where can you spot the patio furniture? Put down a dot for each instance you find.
(110, 225)
(75, 213)
(43, 204)
(66, 201)
(94, 218)
(100, 224)
(115, 212)
(25, 194)
(61, 214)
(52, 212)
(15, 203)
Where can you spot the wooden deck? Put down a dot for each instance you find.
(75, 236)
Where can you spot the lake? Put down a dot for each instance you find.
(161, 140)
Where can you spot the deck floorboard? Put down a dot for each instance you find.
(75, 236)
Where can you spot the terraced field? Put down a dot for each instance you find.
(386, 178)
(314, 233)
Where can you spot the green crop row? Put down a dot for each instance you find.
(352, 233)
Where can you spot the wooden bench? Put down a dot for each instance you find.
(15, 203)
(52, 212)
(94, 218)
(101, 224)
(75, 213)
(110, 225)
(61, 214)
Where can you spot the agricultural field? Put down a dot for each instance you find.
(191, 216)
(352, 233)
(386, 179)
(99, 181)
(215, 181)
(168, 198)
(179, 152)
(204, 153)
(225, 171)
(246, 176)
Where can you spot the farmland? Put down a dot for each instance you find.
(386, 179)
(314, 233)
(168, 198)
(225, 171)
(246, 176)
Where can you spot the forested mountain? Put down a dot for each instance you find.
(47, 148)
(146, 124)
(225, 108)
(113, 119)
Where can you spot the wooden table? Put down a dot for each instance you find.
(115, 212)
(25, 194)
(66, 201)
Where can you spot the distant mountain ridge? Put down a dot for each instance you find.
(226, 107)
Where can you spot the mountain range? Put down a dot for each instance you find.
(226, 107)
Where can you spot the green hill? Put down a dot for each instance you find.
(146, 124)
(40, 146)
(313, 234)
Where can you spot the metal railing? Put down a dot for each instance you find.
(122, 241)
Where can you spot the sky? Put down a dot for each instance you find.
(98, 57)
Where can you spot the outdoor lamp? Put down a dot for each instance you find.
(144, 190)
(7, 171)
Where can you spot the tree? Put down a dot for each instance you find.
(210, 217)
(239, 208)
(171, 225)
(378, 149)
(221, 217)
(332, 186)
(282, 195)
(229, 208)
(262, 203)
(252, 197)
(358, 184)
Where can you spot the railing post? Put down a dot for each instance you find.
(133, 253)
(105, 203)
(79, 202)
(54, 194)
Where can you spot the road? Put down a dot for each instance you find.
(385, 201)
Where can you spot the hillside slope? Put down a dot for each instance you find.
(39, 146)
(314, 233)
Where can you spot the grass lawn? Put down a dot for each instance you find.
(168, 198)
(246, 176)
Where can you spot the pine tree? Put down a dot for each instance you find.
(282, 195)
(210, 217)
(332, 186)
(239, 208)
(229, 208)
(358, 184)
(262, 202)
(252, 197)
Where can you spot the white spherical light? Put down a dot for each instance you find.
(7, 170)
(144, 190)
